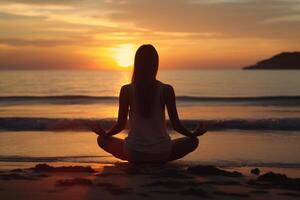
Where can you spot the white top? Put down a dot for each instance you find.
(148, 135)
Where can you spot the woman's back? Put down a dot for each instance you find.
(148, 134)
(145, 100)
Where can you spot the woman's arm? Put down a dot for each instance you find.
(173, 114)
(122, 114)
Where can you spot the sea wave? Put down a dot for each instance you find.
(67, 124)
(82, 99)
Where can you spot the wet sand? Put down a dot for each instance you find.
(124, 181)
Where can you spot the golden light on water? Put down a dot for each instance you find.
(124, 55)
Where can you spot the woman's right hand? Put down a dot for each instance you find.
(200, 130)
(96, 128)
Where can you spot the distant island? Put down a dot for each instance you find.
(285, 60)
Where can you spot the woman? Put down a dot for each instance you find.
(145, 100)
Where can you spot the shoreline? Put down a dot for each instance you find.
(10, 165)
(223, 149)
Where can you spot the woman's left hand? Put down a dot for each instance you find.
(200, 130)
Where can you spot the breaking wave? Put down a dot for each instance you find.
(67, 124)
(81, 99)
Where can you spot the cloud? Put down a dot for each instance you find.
(203, 32)
(42, 59)
(231, 18)
(36, 42)
(9, 16)
(43, 2)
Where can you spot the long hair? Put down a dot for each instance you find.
(144, 78)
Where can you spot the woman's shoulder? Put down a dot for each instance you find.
(125, 91)
(166, 86)
(167, 90)
(126, 86)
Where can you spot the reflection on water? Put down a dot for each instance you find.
(109, 110)
(237, 147)
(186, 82)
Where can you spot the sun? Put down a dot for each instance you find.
(124, 55)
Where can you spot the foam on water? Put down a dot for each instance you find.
(82, 99)
(66, 124)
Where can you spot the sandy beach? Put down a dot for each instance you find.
(99, 175)
(123, 181)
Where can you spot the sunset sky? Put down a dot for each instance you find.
(103, 34)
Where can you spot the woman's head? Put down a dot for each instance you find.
(144, 78)
(145, 64)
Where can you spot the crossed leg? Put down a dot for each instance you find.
(113, 146)
(183, 146)
(180, 147)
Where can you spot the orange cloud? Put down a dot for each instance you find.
(189, 34)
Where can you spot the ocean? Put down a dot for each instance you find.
(254, 115)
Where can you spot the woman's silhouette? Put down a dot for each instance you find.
(145, 99)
